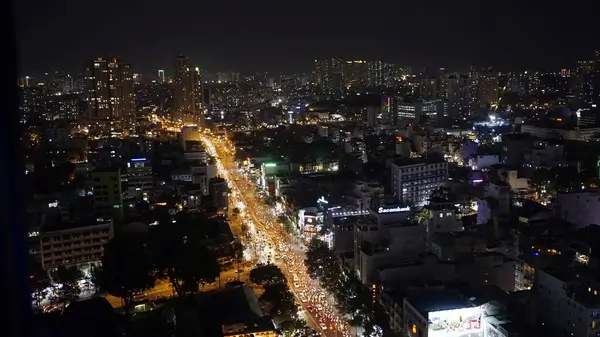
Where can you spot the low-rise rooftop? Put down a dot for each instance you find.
(431, 300)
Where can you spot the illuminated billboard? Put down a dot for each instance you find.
(456, 323)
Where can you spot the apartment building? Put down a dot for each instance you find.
(74, 244)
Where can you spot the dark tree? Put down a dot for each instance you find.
(321, 263)
(301, 329)
(38, 280)
(351, 297)
(238, 255)
(195, 266)
(267, 275)
(181, 255)
(68, 278)
(126, 270)
(281, 299)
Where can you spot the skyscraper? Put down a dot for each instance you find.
(587, 82)
(187, 83)
(110, 96)
(329, 73)
(356, 73)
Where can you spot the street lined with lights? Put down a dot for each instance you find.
(269, 242)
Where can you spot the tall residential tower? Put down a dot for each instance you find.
(110, 96)
(187, 82)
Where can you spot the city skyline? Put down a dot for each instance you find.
(274, 39)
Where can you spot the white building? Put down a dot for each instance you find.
(444, 219)
(426, 313)
(581, 134)
(579, 208)
(189, 133)
(139, 178)
(202, 174)
(195, 152)
(74, 245)
(434, 110)
(568, 302)
(413, 180)
(383, 238)
(483, 161)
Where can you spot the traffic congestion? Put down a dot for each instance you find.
(267, 242)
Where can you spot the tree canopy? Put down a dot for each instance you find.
(352, 299)
(68, 277)
(180, 253)
(126, 270)
(277, 295)
(267, 275)
(283, 305)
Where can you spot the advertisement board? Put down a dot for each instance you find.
(464, 322)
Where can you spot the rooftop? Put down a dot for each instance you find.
(403, 161)
(56, 224)
(431, 300)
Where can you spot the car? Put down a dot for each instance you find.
(323, 326)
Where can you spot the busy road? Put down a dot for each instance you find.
(268, 240)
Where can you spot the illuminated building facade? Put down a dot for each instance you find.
(440, 313)
(139, 179)
(414, 181)
(587, 82)
(187, 83)
(432, 111)
(487, 87)
(356, 73)
(329, 74)
(74, 245)
(110, 96)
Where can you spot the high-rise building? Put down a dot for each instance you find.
(329, 74)
(107, 197)
(380, 74)
(487, 87)
(161, 75)
(587, 82)
(413, 181)
(32, 104)
(139, 179)
(431, 111)
(187, 82)
(460, 92)
(25, 82)
(356, 73)
(110, 96)
(217, 188)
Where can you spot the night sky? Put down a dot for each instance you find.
(255, 35)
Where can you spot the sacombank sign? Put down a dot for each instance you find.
(393, 210)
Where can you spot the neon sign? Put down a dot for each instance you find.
(393, 210)
(270, 164)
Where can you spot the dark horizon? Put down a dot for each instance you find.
(235, 36)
